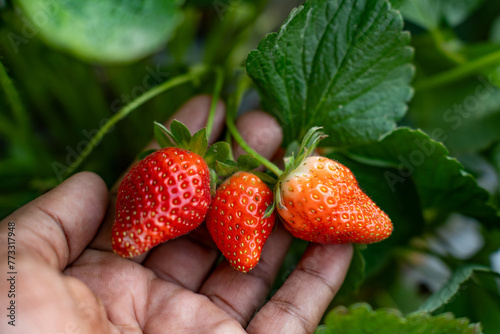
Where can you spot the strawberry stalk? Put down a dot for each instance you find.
(193, 74)
(219, 81)
(233, 105)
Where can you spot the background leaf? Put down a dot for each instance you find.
(343, 65)
(441, 181)
(430, 13)
(443, 295)
(360, 318)
(464, 115)
(104, 31)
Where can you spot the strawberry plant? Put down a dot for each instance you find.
(398, 99)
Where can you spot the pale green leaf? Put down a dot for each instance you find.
(430, 13)
(106, 31)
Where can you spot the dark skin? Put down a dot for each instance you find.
(69, 280)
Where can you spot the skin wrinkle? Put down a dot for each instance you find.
(216, 299)
(316, 275)
(294, 312)
(40, 238)
(65, 256)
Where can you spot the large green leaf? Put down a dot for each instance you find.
(430, 13)
(343, 65)
(106, 30)
(360, 319)
(444, 295)
(464, 115)
(441, 181)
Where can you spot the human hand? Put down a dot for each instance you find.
(69, 280)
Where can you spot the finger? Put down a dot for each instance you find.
(261, 131)
(237, 293)
(57, 226)
(194, 114)
(49, 302)
(297, 307)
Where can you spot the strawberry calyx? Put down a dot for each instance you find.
(180, 136)
(294, 156)
(218, 156)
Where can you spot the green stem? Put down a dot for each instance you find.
(459, 72)
(122, 113)
(230, 115)
(440, 43)
(13, 99)
(219, 80)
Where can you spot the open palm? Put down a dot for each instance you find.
(177, 287)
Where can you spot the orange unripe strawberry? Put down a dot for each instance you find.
(320, 201)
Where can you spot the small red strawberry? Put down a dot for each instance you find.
(320, 201)
(162, 197)
(236, 220)
(167, 194)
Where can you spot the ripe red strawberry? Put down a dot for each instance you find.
(162, 197)
(320, 201)
(235, 219)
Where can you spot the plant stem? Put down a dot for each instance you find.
(122, 113)
(230, 115)
(13, 99)
(459, 72)
(440, 43)
(219, 80)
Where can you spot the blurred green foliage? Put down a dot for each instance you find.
(53, 102)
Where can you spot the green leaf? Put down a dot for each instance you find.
(441, 181)
(213, 182)
(181, 134)
(108, 31)
(217, 152)
(227, 168)
(430, 13)
(162, 134)
(292, 149)
(360, 319)
(269, 210)
(266, 178)
(199, 142)
(464, 115)
(444, 295)
(247, 162)
(144, 154)
(343, 65)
